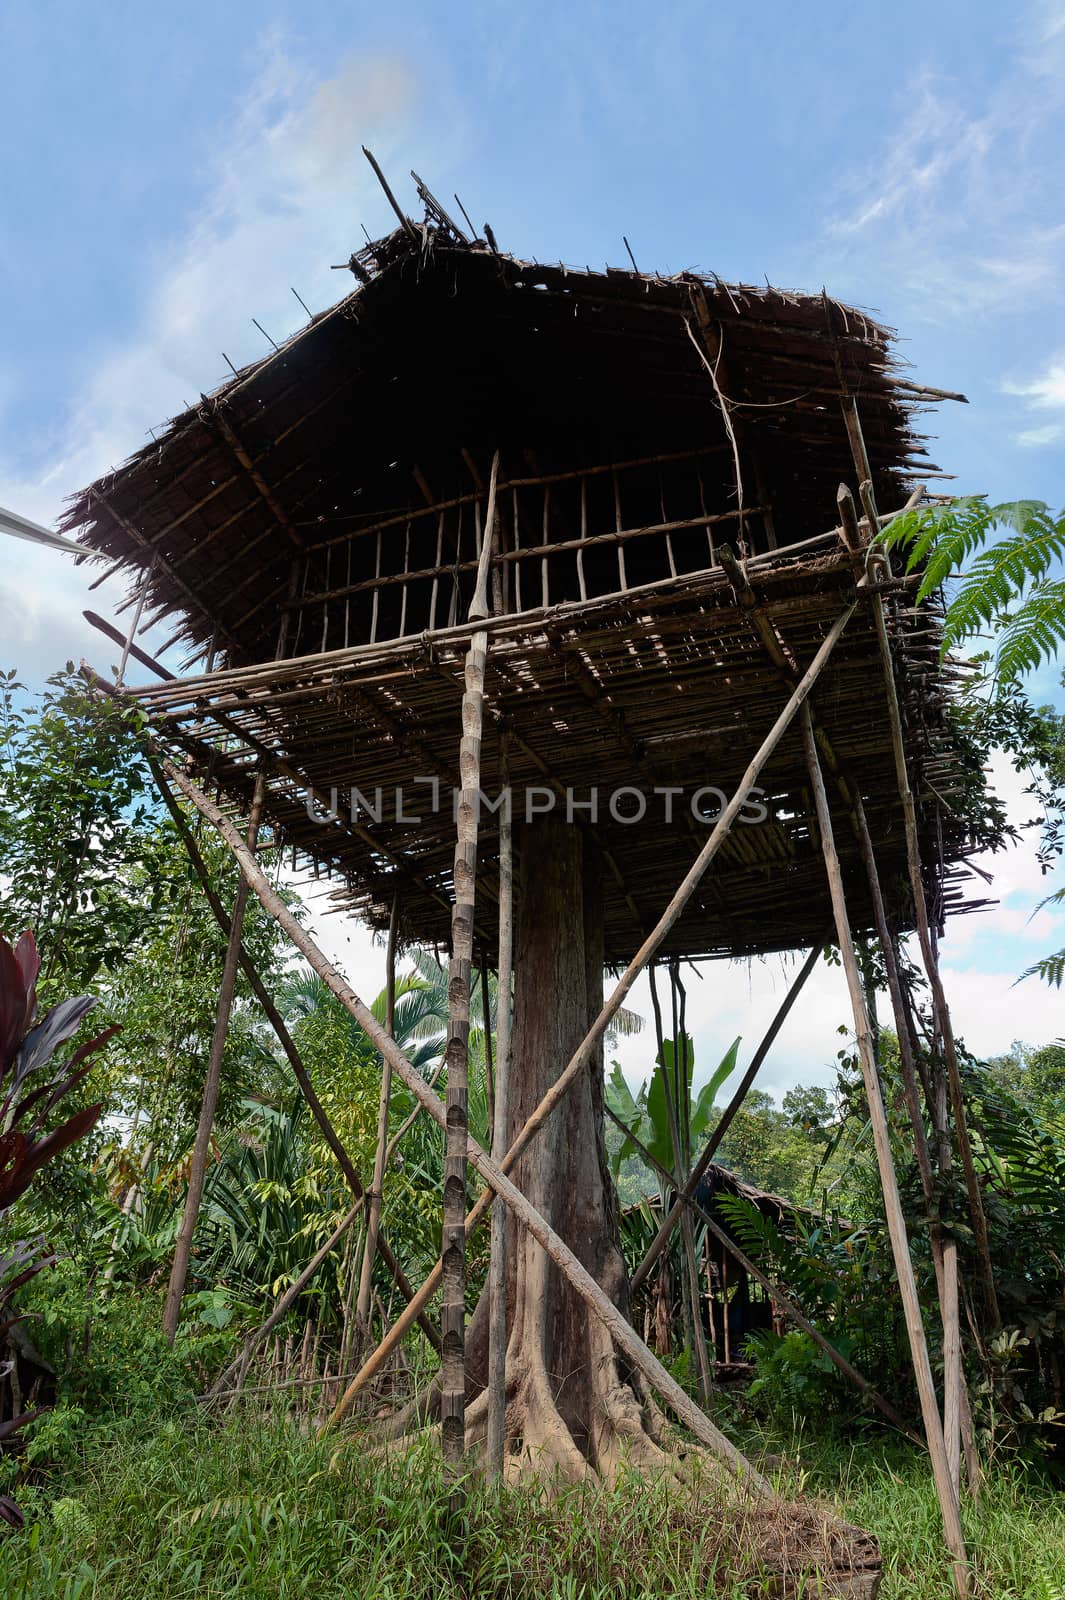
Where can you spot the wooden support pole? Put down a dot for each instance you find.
(929, 954)
(579, 1061)
(201, 1148)
(907, 1059)
(453, 1249)
(285, 1039)
(373, 1213)
(698, 1172)
(592, 1293)
(953, 1378)
(497, 1266)
(127, 646)
(944, 1246)
(778, 654)
(900, 1249)
(781, 1297)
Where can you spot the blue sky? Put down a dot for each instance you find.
(171, 173)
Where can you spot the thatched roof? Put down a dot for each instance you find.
(328, 484)
(449, 351)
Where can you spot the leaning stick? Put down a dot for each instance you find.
(780, 1296)
(405, 1126)
(285, 1039)
(900, 1248)
(621, 1331)
(179, 1268)
(583, 1054)
(457, 1053)
(698, 1172)
(944, 1247)
(579, 1061)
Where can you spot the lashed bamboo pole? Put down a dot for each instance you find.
(591, 1293)
(201, 1148)
(900, 1249)
(780, 1296)
(453, 1244)
(271, 674)
(579, 1060)
(373, 1213)
(698, 1172)
(285, 1039)
(497, 1265)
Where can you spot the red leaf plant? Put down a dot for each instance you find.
(30, 1089)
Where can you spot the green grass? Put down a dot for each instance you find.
(1016, 1539)
(254, 1508)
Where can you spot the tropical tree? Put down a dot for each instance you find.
(73, 819)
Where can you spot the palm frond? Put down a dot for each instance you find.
(302, 993)
(625, 1024)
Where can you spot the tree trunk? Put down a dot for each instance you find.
(572, 1405)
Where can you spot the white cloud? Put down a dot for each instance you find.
(1036, 438)
(936, 140)
(951, 206)
(1046, 390)
(283, 202)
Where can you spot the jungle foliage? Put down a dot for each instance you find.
(88, 858)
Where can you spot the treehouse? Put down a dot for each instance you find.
(313, 528)
(500, 562)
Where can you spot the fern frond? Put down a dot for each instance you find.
(940, 538)
(1000, 575)
(1051, 969)
(1035, 632)
(1011, 572)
